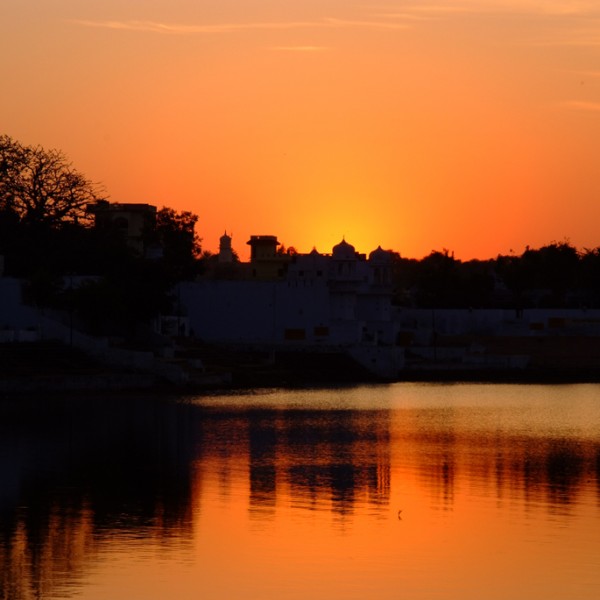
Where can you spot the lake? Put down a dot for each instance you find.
(416, 491)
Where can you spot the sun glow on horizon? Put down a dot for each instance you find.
(472, 126)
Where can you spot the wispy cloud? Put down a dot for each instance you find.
(179, 29)
(217, 28)
(546, 7)
(300, 48)
(574, 38)
(581, 28)
(408, 10)
(388, 16)
(431, 9)
(364, 24)
(561, 22)
(560, 8)
(589, 74)
(581, 105)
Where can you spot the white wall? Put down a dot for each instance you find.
(13, 315)
(296, 310)
(253, 311)
(544, 321)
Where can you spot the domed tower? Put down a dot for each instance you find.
(380, 256)
(380, 261)
(225, 251)
(344, 260)
(344, 284)
(343, 251)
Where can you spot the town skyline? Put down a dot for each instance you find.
(466, 125)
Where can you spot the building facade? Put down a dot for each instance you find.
(337, 299)
(132, 221)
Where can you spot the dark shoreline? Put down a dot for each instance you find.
(49, 368)
(141, 384)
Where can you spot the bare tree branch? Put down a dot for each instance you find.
(42, 186)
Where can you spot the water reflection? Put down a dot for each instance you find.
(82, 477)
(82, 473)
(324, 459)
(551, 473)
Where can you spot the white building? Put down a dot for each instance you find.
(18, 322)
(334, 299)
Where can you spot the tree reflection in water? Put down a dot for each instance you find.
(79, 475)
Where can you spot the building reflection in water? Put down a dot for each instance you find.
(529, 469)
(324, 458)
(263, 433)
(81, 477)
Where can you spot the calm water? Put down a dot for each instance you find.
(404, 491)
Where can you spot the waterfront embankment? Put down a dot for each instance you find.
(50, 366)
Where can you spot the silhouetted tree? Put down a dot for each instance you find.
(9, 229)
(210, 267)
(589, 275)
(283, 251)
(405, 277)
(475, 284)
(437, 280)
(41, 186)
(440, 280)
(543, 276)
(175, 232)
(126, 298)
(511, 272)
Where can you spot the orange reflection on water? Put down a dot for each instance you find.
(353, 503)
(262, 502)
(36, 563)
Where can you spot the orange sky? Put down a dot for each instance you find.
(469, 125)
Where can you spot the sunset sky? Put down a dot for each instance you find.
(469, 125)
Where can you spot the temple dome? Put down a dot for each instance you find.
(379, 255)
(344, 251)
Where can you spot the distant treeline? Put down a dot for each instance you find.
(556, 275)
(47, 238)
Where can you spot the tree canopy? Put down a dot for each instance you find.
(175, 232)
(46, 240)
(41, 186)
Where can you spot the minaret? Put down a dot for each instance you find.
(225, 252)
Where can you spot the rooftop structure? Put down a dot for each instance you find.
(130, 219)
(265, 261)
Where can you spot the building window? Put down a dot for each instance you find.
(294, 334)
